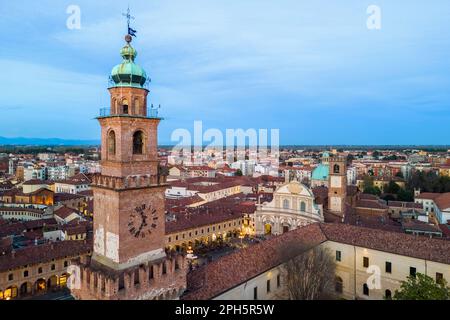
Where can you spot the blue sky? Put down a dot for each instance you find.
(309, 68)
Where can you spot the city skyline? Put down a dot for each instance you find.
(232, 66)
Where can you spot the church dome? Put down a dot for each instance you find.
(128, 73)
(321, 172)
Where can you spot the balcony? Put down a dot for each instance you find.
(152, 113)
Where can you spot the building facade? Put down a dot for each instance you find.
(292, 206)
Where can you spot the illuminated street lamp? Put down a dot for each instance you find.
(190, 254)
(241, 236)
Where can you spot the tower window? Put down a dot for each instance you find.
(111, 142)
(138, 142)
(336, 168)
(125, 106)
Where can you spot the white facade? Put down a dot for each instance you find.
(64, 187)
(31, 173)
(351, 176)
(58, 173)
(292, 206)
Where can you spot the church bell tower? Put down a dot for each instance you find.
(129, 260)
(337, 185)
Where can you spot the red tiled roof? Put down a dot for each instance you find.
(64, 212)
(428, 195)
(370, 204)
(43, 253)
(238, 267)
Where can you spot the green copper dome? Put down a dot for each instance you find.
(321, 172)
(128, 73)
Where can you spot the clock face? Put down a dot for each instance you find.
(142, 221)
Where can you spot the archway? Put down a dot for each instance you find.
(339, 285)
(10, 293)
(25, 288)
(388, 294)
(63, 280)
(40, 285)
(267, 229)
(52, 282)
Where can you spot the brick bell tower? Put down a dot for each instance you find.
(129, 260)
(337, 185)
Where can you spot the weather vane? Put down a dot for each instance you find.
(129, 17)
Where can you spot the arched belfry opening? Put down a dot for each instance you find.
(125, 106)
(138, 142)
(336, 168)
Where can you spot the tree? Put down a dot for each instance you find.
(372, 190)
(310, 275)
(392, 187)
(238, 172)
(422, 287)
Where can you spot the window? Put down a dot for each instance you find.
(10, 277)
(268, 286)
(365, 262)
(412, 271)
(164, 268)
(255, 293)
(286, 204)
(365, 289)
(302, 206)
(138, 142)
(388, 294)
(112, 143)
(278, 281)
(338, 255)
(66, 264)
(40, 270)
(338, 286)
(53, 267)
(439, 278)
(388, 267)
(125, 106)
(25, 273)
(336, 168)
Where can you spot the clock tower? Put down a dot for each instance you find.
(337, 185)
(129, 260)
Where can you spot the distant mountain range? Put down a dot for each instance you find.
(46, 142)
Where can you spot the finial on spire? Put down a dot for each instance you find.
(131, 32)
